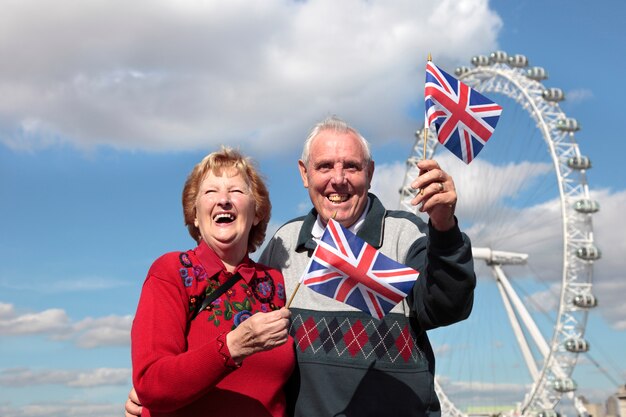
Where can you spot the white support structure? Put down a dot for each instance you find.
(519, 334)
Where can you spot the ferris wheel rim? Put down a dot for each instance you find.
(521, 83)
(532, 93)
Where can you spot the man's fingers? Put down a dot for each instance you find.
(133, 406)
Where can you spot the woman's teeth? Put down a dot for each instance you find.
(224, 218)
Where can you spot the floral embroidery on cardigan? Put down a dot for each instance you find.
(226, 306)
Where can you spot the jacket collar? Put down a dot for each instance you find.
(213, 265)
(371, 232)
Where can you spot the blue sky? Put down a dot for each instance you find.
(105, 107)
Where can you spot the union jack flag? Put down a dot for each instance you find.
(346, 268)
(464, 119)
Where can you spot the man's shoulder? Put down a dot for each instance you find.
(403, 220)
(290, 225)
(298, 219)
(285, 236)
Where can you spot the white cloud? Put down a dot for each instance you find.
(304, 207)
(442, 350)
(46, 322)
(56, 325)
(6, 311)
(65, 409)
(65, 285)
(101, 376)
(387, 180)
(547, 300)
(579, 95)
(465, 386)
(24, 377)
(189, 74)
(466, 393)
(609, 284)
(104, 331)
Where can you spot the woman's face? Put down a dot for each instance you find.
(225, 212)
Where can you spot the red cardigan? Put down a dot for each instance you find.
(183, 367)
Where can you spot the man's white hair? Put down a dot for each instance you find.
(336, 125)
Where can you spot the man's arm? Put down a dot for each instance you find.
(444, 294)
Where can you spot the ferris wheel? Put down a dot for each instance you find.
(525, 204)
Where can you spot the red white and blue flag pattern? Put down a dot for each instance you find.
(346, 268)
(464, 119)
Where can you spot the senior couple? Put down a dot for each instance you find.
(211, 336)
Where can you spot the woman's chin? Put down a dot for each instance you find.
(225, 243)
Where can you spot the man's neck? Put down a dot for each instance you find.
(319, 226)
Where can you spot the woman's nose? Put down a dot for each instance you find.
(223, 199)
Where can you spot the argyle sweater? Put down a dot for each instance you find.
(350, 364)
(182, 367)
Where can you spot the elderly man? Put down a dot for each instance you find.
(348, 363)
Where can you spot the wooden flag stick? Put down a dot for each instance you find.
(426, 121)
(293, 294)
(425, 130)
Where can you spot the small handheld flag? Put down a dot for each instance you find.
(346, 268)
(464, 119)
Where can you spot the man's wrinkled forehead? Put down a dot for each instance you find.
(320, 150)
(332, 160)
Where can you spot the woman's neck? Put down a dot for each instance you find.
(231, 258)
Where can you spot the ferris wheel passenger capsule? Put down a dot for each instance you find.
(499, 57)
(588, 253)
(518, 61)
(568, 124)
(461, 71)
(586, 206)
(576, 345)
(579, 162)
(564, 385)
(585, 301)
(537, 73)
(480, 61)
(553, 94)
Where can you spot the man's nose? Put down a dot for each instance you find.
(339, 175)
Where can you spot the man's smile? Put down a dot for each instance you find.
(337, 198)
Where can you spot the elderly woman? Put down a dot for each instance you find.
(210, 337)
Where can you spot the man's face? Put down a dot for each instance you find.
(337, 176)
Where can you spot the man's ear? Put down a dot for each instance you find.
(370, 172)
(302, 168)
